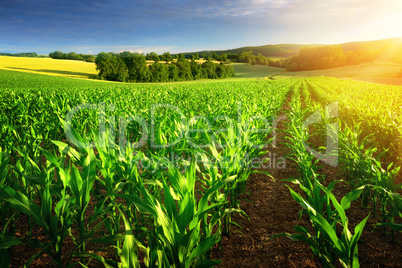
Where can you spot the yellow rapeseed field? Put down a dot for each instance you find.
(66, 68)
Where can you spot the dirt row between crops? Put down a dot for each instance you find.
(272, 210)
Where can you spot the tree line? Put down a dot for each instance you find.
(133, 67)
(71, 56)
(23, 54)
(250, 58)
(325, 57)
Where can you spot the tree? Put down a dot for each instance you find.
(184, 69)
(223, 57)
(132, 67)
(246, 57)
(196, 70)
(262, 60)
(111, 67)
(166, 57)
(253, 60)
(74, 56)
(220, 71)
(89, 58)
(173, 72)
(293, 67)
(56, 55)
(206, 57)
(137, 67)
(152, 56)
(317, 57)
(159, 72)
(210, 69)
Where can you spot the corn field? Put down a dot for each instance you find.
(154, 173)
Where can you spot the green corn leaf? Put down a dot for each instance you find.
(201, 249)
(394, 226)
(24, 205)
(106, 263)
(353, 243)
(336, 204)
(297, 237)
(9, 242)
(350, 197)
(66, 149)
(169, 201)
(110, 239)
(299, 199)
(129, 252)
(76, 183)
(4, 258)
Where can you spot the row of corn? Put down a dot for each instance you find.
(318, 202)
(370, 135)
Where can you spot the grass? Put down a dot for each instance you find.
(246, 71)
(371, 70)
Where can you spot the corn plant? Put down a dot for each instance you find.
(324, 241)
(54, 226)
(7, 241)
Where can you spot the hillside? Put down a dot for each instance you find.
(66, 68)
(287, 50)
(280, 51)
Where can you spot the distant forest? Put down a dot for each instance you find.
(133, 67)
(71, 56)
(295, 57)
(325, 57)
(23, 54)
(277, 51)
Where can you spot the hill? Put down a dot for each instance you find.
(287, 50)
(66, 68)
(279, 51)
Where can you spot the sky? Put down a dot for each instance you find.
(93, 26)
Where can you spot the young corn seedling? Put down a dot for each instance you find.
(7, 241)
(55, 222)
(324, 241)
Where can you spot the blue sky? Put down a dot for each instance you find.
(177, 26)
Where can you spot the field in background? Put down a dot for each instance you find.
(245, 71)
(66, 68)
(372, 72)
(79, 69)
(377, 72)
